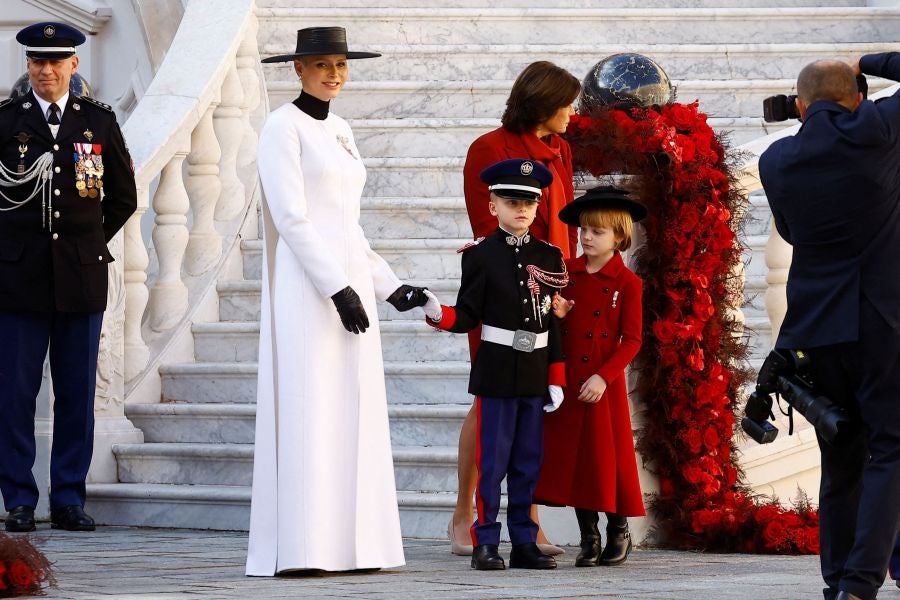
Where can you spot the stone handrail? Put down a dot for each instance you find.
(778, 252)
(193, 144)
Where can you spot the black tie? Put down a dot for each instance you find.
(53, 119)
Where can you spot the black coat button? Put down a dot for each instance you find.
(596, 313)
(590, 334)
(605, 290)
(565, 332)
(584, 359)
(606, 335)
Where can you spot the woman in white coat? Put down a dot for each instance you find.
(324, 496)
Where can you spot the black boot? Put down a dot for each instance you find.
(618, 541)
(590, 538)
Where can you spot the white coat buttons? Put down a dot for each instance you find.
(55, 236)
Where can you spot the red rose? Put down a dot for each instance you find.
(711, 437)
(20, 574)
(2, 572)
(693, 440)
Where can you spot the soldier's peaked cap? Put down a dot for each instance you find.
(49, 40)
(518, 178)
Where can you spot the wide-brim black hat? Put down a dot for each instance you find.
(603, 196)
(315, 41)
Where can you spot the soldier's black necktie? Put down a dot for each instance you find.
(53, 119)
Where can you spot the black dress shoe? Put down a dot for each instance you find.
(590, 538)
(486, 558)
(529, 556)
(71, 518)
(20, 519)
(847, 596)
(618, 543)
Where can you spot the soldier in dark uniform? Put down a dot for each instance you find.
(66, 187)
(508, 283)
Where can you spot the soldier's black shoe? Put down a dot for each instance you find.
(71, 518)
(20, 519)
(486, 558)
(529, 556)
(618, 545)
(847, 596)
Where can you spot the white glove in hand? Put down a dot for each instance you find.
(433, 308)
(556, 397)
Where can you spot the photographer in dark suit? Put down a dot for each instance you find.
(834, 190)
(66, 188)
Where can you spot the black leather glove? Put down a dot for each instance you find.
(351, 310)
(407, 297)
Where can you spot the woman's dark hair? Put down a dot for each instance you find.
(539, 91)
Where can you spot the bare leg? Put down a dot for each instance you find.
(541, 538)
(464, 513)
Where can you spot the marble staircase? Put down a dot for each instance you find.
(442, 82)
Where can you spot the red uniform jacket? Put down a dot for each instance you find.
(589, 458)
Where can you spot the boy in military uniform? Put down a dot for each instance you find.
(66, 188)
(508, 283)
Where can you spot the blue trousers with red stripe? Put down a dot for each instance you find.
(509, 443)
(73, 340)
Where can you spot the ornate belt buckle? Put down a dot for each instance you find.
(524, 341)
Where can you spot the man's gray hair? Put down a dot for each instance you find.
(827, 80)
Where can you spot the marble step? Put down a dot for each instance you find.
(411, 425)
(239, 301)
(422, 515)
(569, 3)
(400, 340)
(373, 27)
(482, 99)
(427, 137)
(429, 382)
(416, 468)
(486, 62)
(755, 258)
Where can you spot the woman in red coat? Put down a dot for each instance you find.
(589, 460)
(537, 112)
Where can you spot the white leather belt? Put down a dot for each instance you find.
(521, 340)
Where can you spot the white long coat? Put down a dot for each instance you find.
(324, 495)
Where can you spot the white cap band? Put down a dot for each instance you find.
(56, 49)
(513, 186)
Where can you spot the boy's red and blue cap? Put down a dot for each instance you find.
(517, 178)
(50, 40)
(602, 196)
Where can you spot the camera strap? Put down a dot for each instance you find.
(789, 414)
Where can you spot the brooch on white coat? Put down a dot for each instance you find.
(344, 141)
(615, 298)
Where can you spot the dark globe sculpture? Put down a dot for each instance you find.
(624, 81)
(78, 86)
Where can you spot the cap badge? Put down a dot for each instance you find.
(49, 31)
(526, 168)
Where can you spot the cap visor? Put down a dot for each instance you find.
(517, 195)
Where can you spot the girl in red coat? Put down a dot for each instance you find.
(589, 458)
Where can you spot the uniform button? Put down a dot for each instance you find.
(56, 192)
(99, 258)
(525, 301)
(564, 357)
(596, 313)
(565, 331)
(519, 265)
(605, 290)
(56, 170)
(527, 319)
(56, 214)
(590, 334)
(56, 146)
(605, 334)
(521, 283)
(571, 282)
(584, 359)
(55, 236)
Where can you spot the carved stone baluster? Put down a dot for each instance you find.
(230, 131)
(778, 260)
(137, 354)
(169, 296)
(247, 67)
(110, 424)
(203, 188)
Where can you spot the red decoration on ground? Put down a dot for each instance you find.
(23, 568)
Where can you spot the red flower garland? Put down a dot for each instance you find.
(690, 366)
(23, 568)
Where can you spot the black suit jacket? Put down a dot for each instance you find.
(494, 291)
(834, 190)
(61, 265)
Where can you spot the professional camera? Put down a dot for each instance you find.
(783, 107)
(784, 373)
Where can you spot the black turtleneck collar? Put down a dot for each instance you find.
(317, 109)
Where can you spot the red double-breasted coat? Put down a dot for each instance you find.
(589, 457)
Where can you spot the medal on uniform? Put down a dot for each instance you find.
(88, 168)
(88, 134)
(22, 138)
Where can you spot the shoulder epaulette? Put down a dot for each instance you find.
(471, 244)
(551, 244)
(7, 102)
(97, 103)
